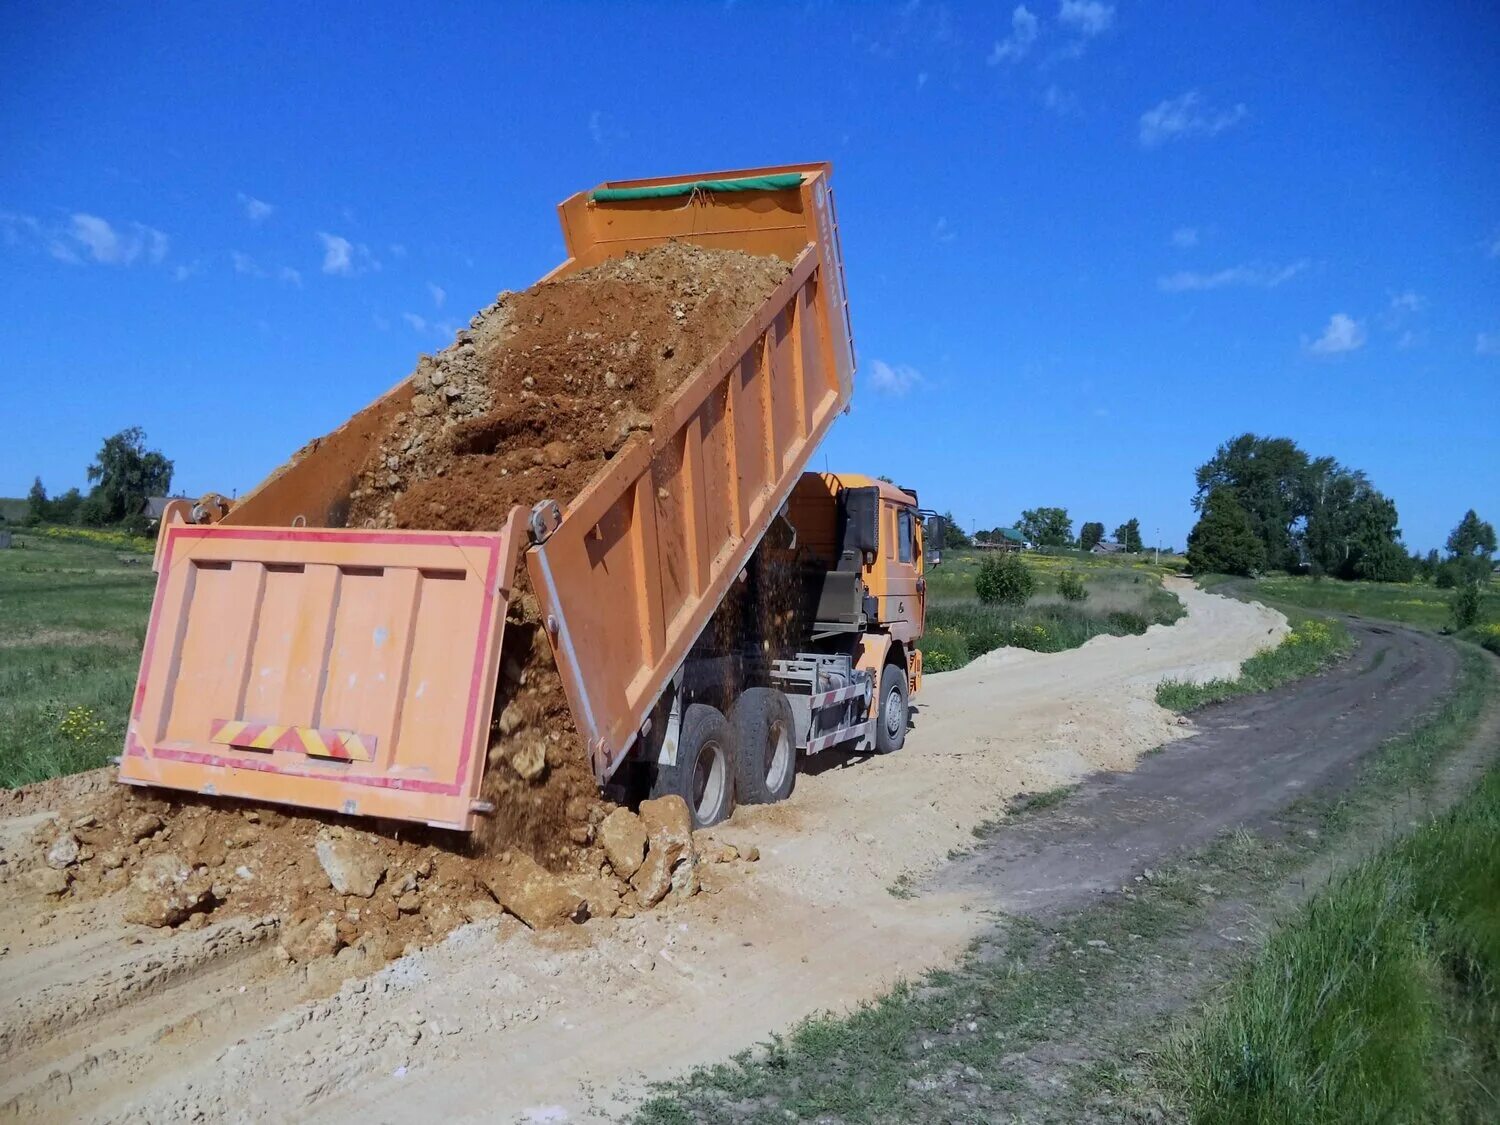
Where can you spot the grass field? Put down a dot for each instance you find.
(72, 621)
(1125, 596)
(1420, 604)
(1312, 644)
(1380, 999)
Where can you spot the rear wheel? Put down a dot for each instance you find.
(893, 715)
(704, 774)
(765, 746)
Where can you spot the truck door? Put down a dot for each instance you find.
(902, 610)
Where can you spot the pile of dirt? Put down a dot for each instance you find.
(332, 885)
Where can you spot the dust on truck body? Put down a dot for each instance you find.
(292, 659)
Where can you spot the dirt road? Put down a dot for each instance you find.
(1249, 759)
(112, 1022)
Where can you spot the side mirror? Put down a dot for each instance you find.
(935, 532)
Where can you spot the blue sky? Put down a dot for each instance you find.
(1085, 242)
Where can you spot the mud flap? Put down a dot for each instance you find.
(352, 671)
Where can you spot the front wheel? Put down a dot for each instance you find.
(893, 715)
(703, 775)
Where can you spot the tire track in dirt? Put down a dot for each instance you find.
(1248, 759)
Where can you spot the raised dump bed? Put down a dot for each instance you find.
(292, 659)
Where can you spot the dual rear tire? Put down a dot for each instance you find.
(749, 758)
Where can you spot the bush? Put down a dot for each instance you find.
(1447, 577)
(943, 650)
(1465, 605)
(1004, 580)
(1070, 586)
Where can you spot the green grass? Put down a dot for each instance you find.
(1380, 999)
(1312, 645)
(1125, 597)
(1420, 604)
(944, 1047)
(72, 621)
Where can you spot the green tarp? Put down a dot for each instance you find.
(660, 191)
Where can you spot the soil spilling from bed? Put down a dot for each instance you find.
(529, 403)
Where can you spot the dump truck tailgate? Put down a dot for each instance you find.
(346, 670)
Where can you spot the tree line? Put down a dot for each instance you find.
(123, 474)
(1046, 527)
(1265, 504)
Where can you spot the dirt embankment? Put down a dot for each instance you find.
(529, 403)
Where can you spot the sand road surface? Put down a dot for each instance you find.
(100, 1020)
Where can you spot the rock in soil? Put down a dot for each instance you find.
(164, 892)
(352, 866)
(63, 852)
(623, 837)
(534, 895)
(669, 836)
(310, 938)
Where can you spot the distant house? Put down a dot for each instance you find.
(1004, 539)
(156, 506)
(1106, 547)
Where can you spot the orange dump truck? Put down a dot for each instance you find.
(292, 659)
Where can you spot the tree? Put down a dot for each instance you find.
(36, 501)
(1470, 547)
(1308, 512)
(1128, 535)
(1269, 478)
(1046, 527)
(1090, 534)
(124, 473)
(1472, 536)
(1224, 540)
(1003, 579)
(954, 536)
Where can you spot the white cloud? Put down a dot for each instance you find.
(1187, 116)
(116, 248)
(1087, 17)
(943, 231)
(1407, 302)
(1487, 343)
(398, 250)
(183, 272)
(418, 323)
(338, 254)
(1252, 276)
(1023, 33)
(245, 264)
(439, 294)
(1185, 238)
(255, 209)
(893, 380)
(1062, 102)
(1343, 334)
